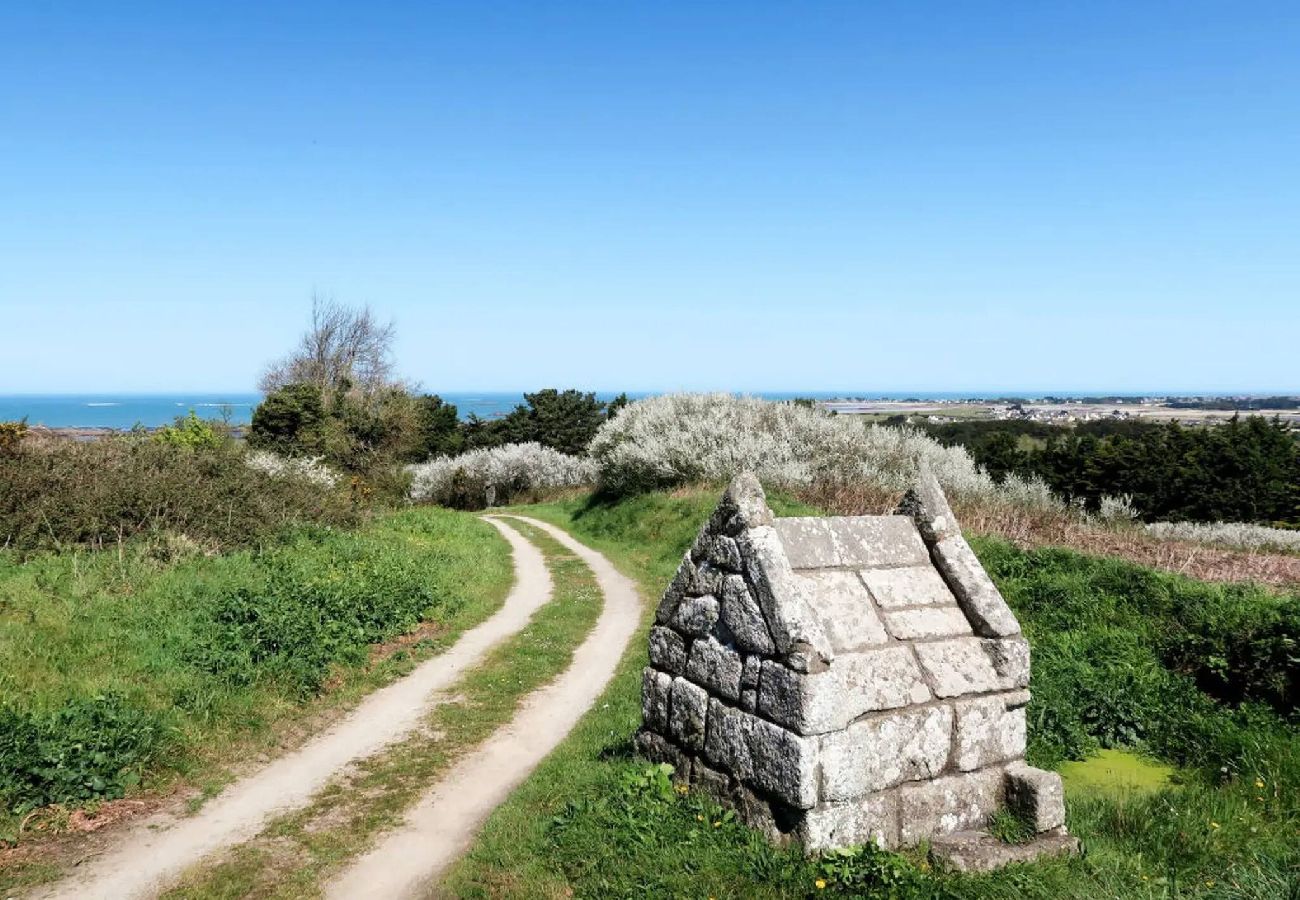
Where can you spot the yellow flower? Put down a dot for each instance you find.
(821, 883)
(1259, 783)
(699, 818)
(716, 824)
(1214, 824)
(1209, 883)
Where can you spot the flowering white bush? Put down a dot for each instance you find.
(485, 477)
(310, 470)
(1229, 534)
(683, 438)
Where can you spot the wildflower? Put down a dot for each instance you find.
(716, 824)
(699, 818)
(1209, 883)
(1259, 783)
(821, 884)
(1214, 824)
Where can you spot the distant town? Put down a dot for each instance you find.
(1067, 410)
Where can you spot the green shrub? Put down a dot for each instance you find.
(310, 612)
(289, 421)
(192, 432)
(89, 748)
(63, 493)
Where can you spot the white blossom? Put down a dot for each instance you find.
(494, 475)
(312, 470)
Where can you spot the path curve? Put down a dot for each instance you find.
(160, 848)
(408, 861)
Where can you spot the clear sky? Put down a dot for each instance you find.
(656, 195)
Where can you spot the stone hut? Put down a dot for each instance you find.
(845, 680)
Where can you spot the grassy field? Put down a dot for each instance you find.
(135, 674)
(1194, 682)
(295, 854)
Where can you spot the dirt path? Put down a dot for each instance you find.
(161, 847)
(408, 862)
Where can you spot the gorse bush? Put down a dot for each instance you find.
(497, 475)
(60, 493)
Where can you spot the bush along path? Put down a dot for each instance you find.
(162, 847)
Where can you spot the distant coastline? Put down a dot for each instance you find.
(95, 414)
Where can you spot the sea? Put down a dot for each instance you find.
(125, 411)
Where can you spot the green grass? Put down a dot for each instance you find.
(121, 675)
(1110, 670)
(1118, 772)
(297, 853)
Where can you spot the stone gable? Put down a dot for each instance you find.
(843, 680)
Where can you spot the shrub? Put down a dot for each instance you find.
(11, 436)
(88, 748)
(1229, 534)
(63, 492)
(289, 421)
(312, 471)
(498, 475)
(312, 611)
(679, 439)
(192, 432)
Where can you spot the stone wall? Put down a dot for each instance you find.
(843, 680)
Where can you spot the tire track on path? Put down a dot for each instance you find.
(438, 829)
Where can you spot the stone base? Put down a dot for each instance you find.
(978, 851)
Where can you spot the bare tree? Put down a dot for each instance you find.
(345, 351)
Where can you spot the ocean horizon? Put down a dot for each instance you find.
(151, 410)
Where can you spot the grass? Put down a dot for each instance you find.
(137, 676)
(295, 854)
(596, 821)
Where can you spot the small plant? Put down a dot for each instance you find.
(191, 432)
(1010, 827)
(11, 435)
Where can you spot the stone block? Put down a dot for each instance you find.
(854, 684)
(909, 586)
(749, 674)
(848, 616)
(978, 597)
(1037, 795)
(978, 851)
(988, 732)
(749, 700)
(678, 589)
(667, 650)
(715, 667)
(743, 505)
(689, 712)
(881, 751)
(876, 542)
(807, 542)
(742, 617)
(718, 550)
(658, 749)
(655, 689)
(927, 623)
(764, 755)
(1010, 659)
(957, 666)
(782, 597)
(928, 508)
(947, 804)
(695, 616)
(831, 826)
(711, 781)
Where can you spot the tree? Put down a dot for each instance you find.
(290, 421)
(437, 428)
(346, 351)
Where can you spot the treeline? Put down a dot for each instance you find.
(360, 432)
(1245, 470)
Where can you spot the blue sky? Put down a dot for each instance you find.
(650, 196)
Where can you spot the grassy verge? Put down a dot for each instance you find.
(296, 854)
(134, 676)
(595, 821)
